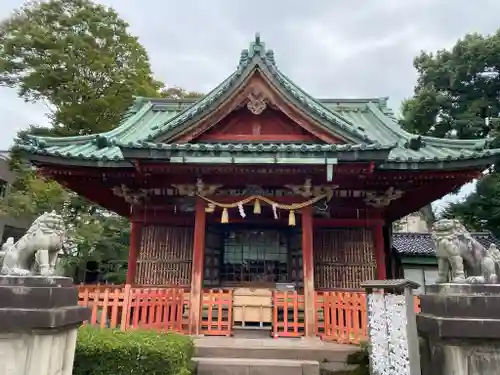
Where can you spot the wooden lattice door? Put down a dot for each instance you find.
(213, 256)
(343, 257)
(295, 269)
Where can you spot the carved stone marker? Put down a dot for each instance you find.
(392, 329)
(459, 329)
(39, 317)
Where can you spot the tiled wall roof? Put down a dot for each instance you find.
(421, 244)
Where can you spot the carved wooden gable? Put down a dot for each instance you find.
(270, 125)
(258, 112)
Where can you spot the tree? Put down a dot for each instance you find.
(458, 95)
(175, 92)
(456, 89)
(79, 58)
(481, 210)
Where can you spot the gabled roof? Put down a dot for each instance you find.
(421, 244)
(151, 124)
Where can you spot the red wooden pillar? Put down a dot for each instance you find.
(308, 266)
(135, 237)
(378, 239)
(197, 267)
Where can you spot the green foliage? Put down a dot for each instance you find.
(31, 196)
(456, 90)
(179, 93)
(480, 211)
(79, 58)
(100, 237)
(112, 352)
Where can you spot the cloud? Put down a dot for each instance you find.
(332, 48)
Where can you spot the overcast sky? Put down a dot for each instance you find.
(332, 48)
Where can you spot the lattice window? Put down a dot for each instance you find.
(255, 256)
(165, 256)
(343, 258)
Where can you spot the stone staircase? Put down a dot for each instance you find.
(235, 356)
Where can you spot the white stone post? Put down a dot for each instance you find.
(392, 328)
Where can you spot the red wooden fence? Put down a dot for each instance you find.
(217, 312)
(167, 309)
(288, 314)
(128, 307)
(339, 315)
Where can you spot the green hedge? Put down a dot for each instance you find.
(141, 352)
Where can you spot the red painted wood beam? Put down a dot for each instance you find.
(284, 199)
(99, 195)
(421, 196)
(358, 223)
(349, 169)
(135, 240)
(379, 249)
(308, 270)
(257, 138)
(233, 179)
(197, 268)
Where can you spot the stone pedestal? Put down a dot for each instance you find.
(459, 329)
(39, 318)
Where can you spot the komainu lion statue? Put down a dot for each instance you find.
(36, 252)
(462, 259)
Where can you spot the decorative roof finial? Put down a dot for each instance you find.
(257, 39)
(257, 48)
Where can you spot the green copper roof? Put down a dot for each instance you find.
(364, 123)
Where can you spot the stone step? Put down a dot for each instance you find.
(254, 366)
(285, 352)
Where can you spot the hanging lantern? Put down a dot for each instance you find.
(291, 218)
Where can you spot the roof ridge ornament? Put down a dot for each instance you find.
(256, 48)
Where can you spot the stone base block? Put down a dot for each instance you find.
(38, 353)
(459, 329)
(39, 318)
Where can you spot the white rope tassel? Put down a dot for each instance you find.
(275, 211)
(242, 211)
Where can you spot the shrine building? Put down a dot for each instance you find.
(259, 185)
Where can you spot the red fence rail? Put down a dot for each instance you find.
(288, 314)
(127, 307)
(340, 316)
(217, 312)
